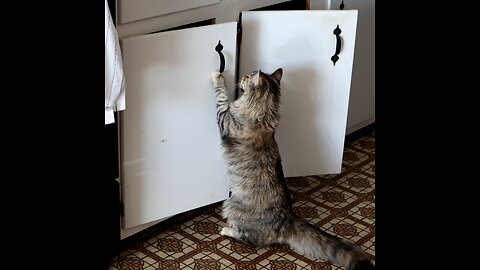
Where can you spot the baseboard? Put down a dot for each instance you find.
(359, 132)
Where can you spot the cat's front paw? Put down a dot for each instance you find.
(217, 79)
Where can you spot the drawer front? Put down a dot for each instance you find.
(135, 10)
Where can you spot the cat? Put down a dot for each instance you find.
(259, 211)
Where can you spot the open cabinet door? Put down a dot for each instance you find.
(315, 91)
(171, 156)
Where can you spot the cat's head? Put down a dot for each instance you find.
(261, 96)
(259, 83)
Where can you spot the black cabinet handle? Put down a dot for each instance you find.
(219, 49)
(337, 33)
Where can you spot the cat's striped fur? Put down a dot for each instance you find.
(259, 211)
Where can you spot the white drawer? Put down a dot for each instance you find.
(134, 10)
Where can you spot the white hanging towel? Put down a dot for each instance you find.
(114, 77)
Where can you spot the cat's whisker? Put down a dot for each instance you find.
(235, 86)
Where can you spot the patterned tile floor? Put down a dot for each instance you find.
(342, 204)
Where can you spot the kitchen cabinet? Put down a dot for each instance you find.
(170, 150)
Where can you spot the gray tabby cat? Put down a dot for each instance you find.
(259, 211)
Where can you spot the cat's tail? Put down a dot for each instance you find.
(309, 240)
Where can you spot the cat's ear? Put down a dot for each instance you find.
(258, 78)
(277, 75)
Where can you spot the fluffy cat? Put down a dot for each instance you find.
(259, 211)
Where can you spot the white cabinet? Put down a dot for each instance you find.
(170, 148)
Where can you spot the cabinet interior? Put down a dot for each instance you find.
(289, 5)
(189, 25)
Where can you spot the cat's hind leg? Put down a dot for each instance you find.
(236, 234)
(230, 232)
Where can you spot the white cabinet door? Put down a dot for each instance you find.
(315, 92)
(361, 110)
(171, 154)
